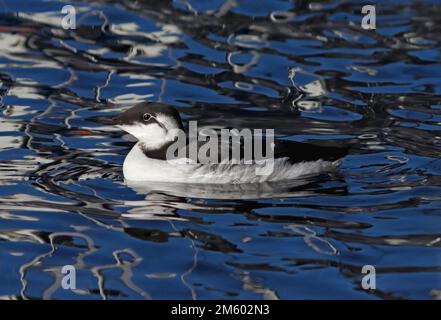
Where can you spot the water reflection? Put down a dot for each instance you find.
(308, 70)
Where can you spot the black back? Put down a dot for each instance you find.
(294, 151)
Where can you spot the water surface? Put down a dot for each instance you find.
(306, 69)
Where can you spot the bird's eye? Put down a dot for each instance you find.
(146, 116)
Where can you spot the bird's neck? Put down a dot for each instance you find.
(158, 151)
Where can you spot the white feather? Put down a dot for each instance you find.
(138, 167)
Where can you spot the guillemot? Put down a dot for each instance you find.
(157, 127)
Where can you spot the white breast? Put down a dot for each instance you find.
(138, 167)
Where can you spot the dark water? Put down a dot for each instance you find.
(63, 200)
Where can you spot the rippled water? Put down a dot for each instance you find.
(305, 68)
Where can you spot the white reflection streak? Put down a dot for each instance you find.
(73, 113)
(100, 14)
(72, 78)
(23, 270)
(185, 274)
(126, 276)
(106, 83)
(56, 271)
(250, 285)
(241, 68)
(311, 234)
(90, 205)
(127, 273)
(32, 121)
(226, 7)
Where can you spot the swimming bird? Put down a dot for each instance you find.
(158, 126)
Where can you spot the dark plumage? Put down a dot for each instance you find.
(136, 113)
(294, 151)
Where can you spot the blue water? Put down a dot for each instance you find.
(63, 199)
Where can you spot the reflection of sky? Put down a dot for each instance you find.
(223, 63)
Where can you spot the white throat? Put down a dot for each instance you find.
(152, 135)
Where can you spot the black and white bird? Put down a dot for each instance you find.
(155, 125)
